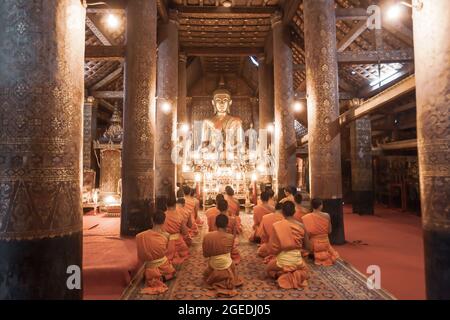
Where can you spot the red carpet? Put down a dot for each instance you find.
(109, 262)
(393, 242)
(393, 238)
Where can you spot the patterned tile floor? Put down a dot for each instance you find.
(339, 282)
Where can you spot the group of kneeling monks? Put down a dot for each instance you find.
(285, 232)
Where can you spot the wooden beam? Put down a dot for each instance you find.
(106, 105)
(397, 145)
(108, 79)
(253, 11)
(374, 57)
(351, 36)
(162, 10)
(400, 31)
(97, 32)
(403, 108)
(290, 9)
(351, 14)
(342, 95)
(299, 67)
(108, 94)
(403, 87)
(110, 4)
(222, 51)
(105, 52)
(371, 90)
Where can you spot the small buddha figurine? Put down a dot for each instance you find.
(222, 128)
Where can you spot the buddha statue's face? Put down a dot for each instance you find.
(222, 103)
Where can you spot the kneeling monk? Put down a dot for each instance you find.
(258, 213)
(265, 230)
(221, 273)
(286, 244)
(177, 250)
(213, 212)
(152, 250)
(318, 226)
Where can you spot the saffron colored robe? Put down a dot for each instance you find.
(211, 215)
(177, 250)
(190, 207)
(233, 205)
(265, 230)
(258, 213)
(221, 274)
(151, 251)
(187, 222)
(287, 265)
(299, 213)
(318, 227)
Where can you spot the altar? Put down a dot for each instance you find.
(218, 152)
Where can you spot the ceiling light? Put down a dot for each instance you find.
(394, 11)
(298, 107)
(227, 4)
(112, 21)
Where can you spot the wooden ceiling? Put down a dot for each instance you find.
(224, 38)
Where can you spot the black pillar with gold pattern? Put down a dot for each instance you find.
(41, 103)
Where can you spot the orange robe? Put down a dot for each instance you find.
(211, 215)
(187, 222)
(151, 250)
(317, 227)
(221, 273)
(233, 205)
(287, 265)
(265, 230)
(258, 213)
(177, 250)
(190, 207)
(198, 220)
(299, 213)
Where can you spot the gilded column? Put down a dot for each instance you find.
(323, 110)
(89, 132)
(182, 90)
(41, 108)
(285, 139)
(166, 109)
(432, 56)
(182, 116)
(361, 164)
(139, 116)
(264, 83)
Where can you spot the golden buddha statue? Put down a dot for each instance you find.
(222, 129)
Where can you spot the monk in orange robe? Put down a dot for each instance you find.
(177, 250)
(289, 193)
(259, 212)
(221, 273)
(318, 227)
(265, 230)
(286, 243)
(212, 213)
(190, 207)
(187, 221)
(300, 211)
(198, 220)
(152, 252)
(233, 204)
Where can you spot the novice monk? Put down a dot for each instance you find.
(233, 204)
(190, 207)
(258, 213)
(181, 209)
(300, 211)
(177, 250)
(286, 243)
(221, 273)
(212, 213)
(318, 227)
(289, 193)
(152, 250)
(265, 230)
(196, 207)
